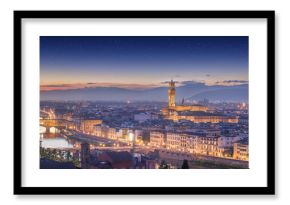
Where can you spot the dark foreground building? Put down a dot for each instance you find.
(118, 160)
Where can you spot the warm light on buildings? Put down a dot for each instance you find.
(131, 137)
(199, 112)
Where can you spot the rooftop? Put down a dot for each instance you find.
(244, 141)
(198, 113)
(119, 156)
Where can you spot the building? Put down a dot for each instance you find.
(176, 141)
(194, 113)
(193, 108)
(123, 133)
(138, 136)
(244, 120)
(241, 150)
(105, 131)
(213, 132)
(171, 94)
(228, 141)
(112, 134)
(202, 117)
(118, 160)
(208, 145)
(157, 139)
(98, 131)
(88, 126)
(216, 145)
(142, 117)
(192, 142)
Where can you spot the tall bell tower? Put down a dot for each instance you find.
(171, 94)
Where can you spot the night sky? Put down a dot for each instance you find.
(141, 60)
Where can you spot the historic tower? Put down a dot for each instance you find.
(171, 94)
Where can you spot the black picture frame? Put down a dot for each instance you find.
(268, 190)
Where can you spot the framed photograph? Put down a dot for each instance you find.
(144, 102)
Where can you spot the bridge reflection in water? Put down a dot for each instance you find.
(51, 138)
(55, 141)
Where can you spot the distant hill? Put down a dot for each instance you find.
(224, 93)
(194, 91)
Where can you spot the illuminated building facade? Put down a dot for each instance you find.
(98, 131)
(192, 142)
(176, 141)
(208, 145)
(241, 150)
(112, 133)
(88, 126)
(194, 113)
(105, 131)
(157, 139)
(205, 118)
(191, 108)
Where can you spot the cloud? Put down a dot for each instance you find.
(51, 87)
(207, 75)
(186, 82)
(166, 82)
(235, 81)
(191, 82)
(57, 86)
(232, 82)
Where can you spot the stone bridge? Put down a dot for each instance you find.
(57, 123)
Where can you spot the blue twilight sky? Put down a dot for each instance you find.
(142, 60)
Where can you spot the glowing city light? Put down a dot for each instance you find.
(131, 136)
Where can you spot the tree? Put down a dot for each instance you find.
(68, 156)
(185, 164)
(163, 165)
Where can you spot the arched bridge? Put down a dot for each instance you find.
(59, 123)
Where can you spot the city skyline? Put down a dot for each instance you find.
(141, 62)
(144, 102)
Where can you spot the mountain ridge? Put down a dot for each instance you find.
(197, 91)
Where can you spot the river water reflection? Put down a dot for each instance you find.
(54, 141)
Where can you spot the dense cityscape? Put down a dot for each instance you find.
(144, 102)
(144, 135)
